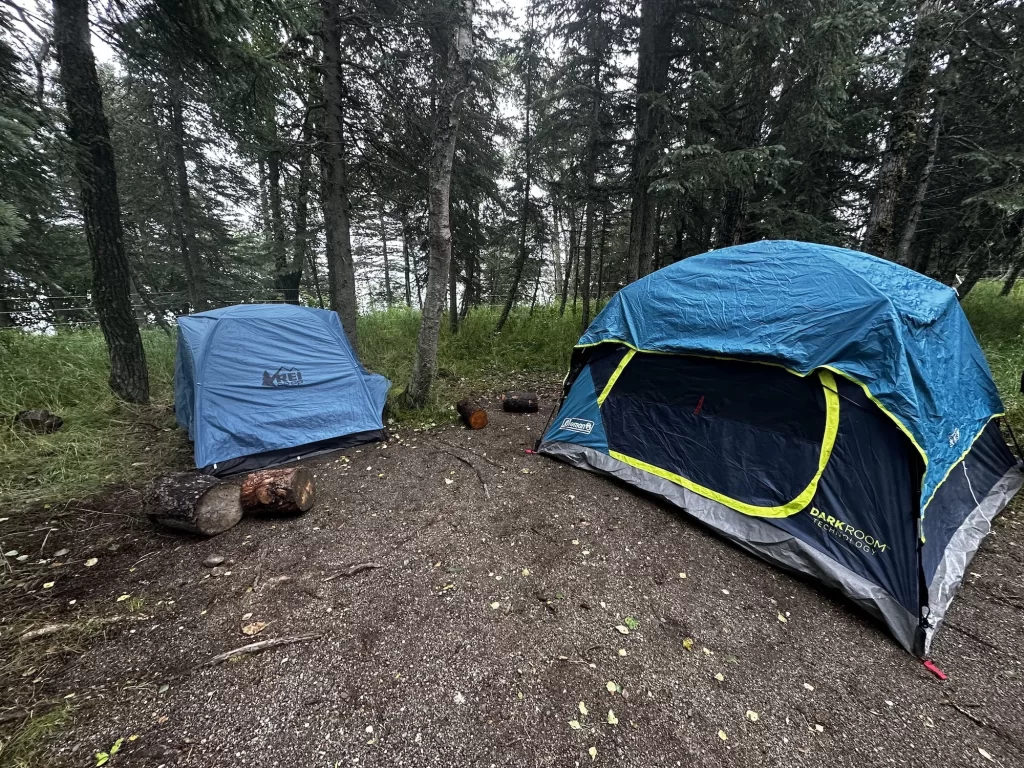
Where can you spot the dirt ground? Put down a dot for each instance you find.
(487, 635)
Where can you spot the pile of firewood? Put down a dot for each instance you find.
(205, 505)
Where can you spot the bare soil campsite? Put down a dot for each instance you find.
(453, 600)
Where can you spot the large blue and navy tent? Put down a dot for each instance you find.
(828, 411)
(258, 385)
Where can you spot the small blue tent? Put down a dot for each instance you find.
(826, 410)
(257, 385)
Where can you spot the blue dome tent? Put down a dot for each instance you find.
(258, 385)
(826, 410)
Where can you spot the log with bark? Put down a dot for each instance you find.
(473, 415)
(520, 402)
(193, 502)
(283, 491)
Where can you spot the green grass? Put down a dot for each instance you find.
(998, 322)
(105, 441)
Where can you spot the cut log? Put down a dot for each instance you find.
(520, 402)
(473, 415)
(283, 491)
(193, 502)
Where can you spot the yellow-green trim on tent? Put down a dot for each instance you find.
(615, 377)
(828, 384)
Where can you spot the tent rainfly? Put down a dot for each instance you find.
(258, 385)
(828, 411)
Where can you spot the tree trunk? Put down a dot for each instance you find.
(574, 236)
(388, 295)
(593, 147)
(291, 280)
(277, 235)
(902, 136)
(921, 189)
(281, 491)
(657, 21)
(976, 265)
(600, 253)
(453, 296)
(193, 502)
(189, 241)
(340, 268)
(1018, 262)
(442, 155)
(556, 248)
(101, 208)
(406, 236)
(522, 253)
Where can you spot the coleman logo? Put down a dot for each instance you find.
(282, 377)
(585, 426)
(848, 533)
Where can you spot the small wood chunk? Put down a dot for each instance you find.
(520, 402)
(473, 415)
(288, 491)
(194, 502)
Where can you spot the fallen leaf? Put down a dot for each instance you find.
(101, 758)
(612, 687)
(986, 755)
(708, 652)
(255, 628)
(593, 753)
(575, 725)
(720, 677)
(133, 737)
(725, 591)
(808, 686)
(246, 616)
(91, 562)
(722, 735)
(688, 643)
(632, 623)
(622, 651)
(495, 605)
(612, 719)
(61, 552)
(782, 618)
(49, 585)
(122, 598)
(752, 716)
(526, 571)
(622, 629)
(819, 728)
(163, 688)
(682, 575)
(583, 709)
(576, 542)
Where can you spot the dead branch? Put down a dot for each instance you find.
(262, 645)
(353, 570)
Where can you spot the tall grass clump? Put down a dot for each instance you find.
(998, 322)
(103, 440)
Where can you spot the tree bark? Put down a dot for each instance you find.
(101, 208)
(921, 189)
(902, 136)
(600, 253)
(283, 491)
(556, 247)
(340, 268)
(657, 22)
(522, 253)
(442, 155)
(193, 502)
(473, 415)
(453, 296)
(519, 402)
(593, 147)
(406, 256)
